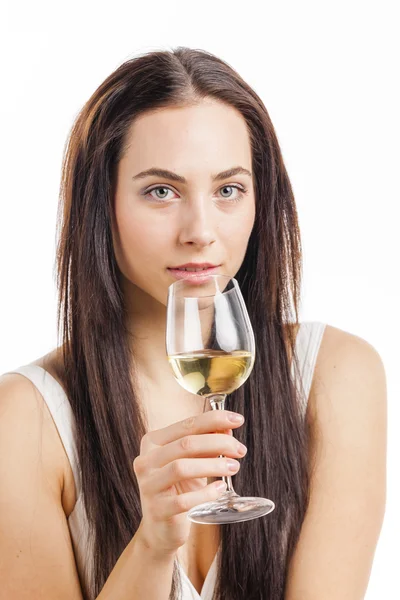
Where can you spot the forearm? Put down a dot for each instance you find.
(139, 573)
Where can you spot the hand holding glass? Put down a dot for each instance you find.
(211, 349)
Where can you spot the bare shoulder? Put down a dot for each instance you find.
(338, 339)
(23, 411)
(348, 416)
(36, 555)
(24, 405)
(348, 396)
(346, 363)
(335, 339)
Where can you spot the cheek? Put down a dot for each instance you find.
(141, 239)
(236, 237)
(238, 231)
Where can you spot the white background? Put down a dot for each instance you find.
(327, 73)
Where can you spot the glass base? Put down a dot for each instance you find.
(230, 508)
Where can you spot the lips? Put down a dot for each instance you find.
(193, 266)
(194, 274)
(191, 269)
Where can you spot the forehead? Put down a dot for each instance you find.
(209, 133)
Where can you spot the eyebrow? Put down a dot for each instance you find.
(164, 173)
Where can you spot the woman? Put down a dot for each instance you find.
(174, 162)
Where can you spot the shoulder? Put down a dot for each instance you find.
(346, 360)
(350, 371)
(348, 404)
(27, 428)
(338, 339)
(31, 487)
(20, 395)
(348, 428)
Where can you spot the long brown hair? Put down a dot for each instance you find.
(98, 369)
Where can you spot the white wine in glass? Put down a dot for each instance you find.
(211, 349)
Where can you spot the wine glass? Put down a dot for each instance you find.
(211, 349)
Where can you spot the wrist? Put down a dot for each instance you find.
(153, 554)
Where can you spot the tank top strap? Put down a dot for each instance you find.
(308, 341)
(60, 409)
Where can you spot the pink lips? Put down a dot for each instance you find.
(195, 277)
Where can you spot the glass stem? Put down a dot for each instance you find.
(217, 402)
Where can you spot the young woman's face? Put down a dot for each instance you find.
(162, 222)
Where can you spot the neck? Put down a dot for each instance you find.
(147, 327)
(164, 401)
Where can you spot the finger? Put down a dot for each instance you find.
(187, 468)
(196, 446)
(216, 420)
(175, 505)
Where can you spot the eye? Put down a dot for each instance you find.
(241, 191)
(163, 188)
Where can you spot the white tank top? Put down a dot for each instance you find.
(308, 342)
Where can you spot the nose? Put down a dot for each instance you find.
(197, 227)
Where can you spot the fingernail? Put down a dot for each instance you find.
(241, 448)
(235, 418)
(233, 465)
(221, 485)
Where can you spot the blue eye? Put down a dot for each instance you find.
(241, 192)
(159, 187)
